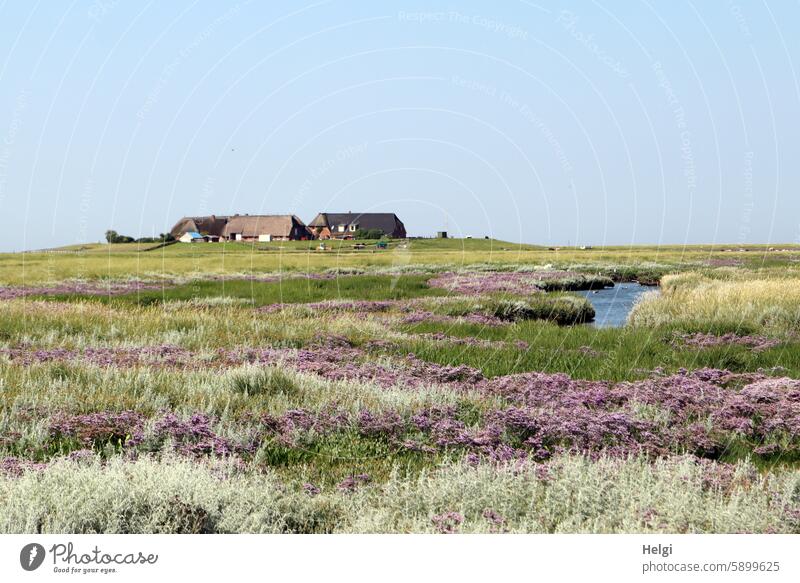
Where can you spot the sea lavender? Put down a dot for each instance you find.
(352, 483)
(447, 522)
(756, 343)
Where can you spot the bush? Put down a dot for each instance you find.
(162, 238)
(114, 237)
(369, 234)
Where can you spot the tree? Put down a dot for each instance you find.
(114, 237)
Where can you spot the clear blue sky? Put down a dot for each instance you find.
(582, 122)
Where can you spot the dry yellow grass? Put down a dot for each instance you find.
(740, 300)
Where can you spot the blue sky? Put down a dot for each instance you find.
(552, 123)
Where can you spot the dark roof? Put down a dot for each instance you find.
(386, 222)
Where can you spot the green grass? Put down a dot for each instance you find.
(288, 291)
(412, 245)
(621, 353)
(98, 261)
(180, 316)
(562, 308)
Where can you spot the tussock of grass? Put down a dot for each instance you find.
(564, 309)
(270, 381)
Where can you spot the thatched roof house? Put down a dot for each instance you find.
(244, 228)
(193, 237)
(265, 228)
(212, 225)
(345, 225)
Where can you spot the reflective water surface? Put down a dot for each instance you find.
(612, 305)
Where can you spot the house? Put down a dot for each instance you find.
(266, 228)
(192, 237)
(242, 228)
(210, 226)
(345, 225)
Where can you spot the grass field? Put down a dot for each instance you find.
(132, 260)
(435, 386)
(289, 290)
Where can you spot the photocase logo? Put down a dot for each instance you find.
(31, 556)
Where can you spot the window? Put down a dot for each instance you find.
(340, 228)
(353, 227)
